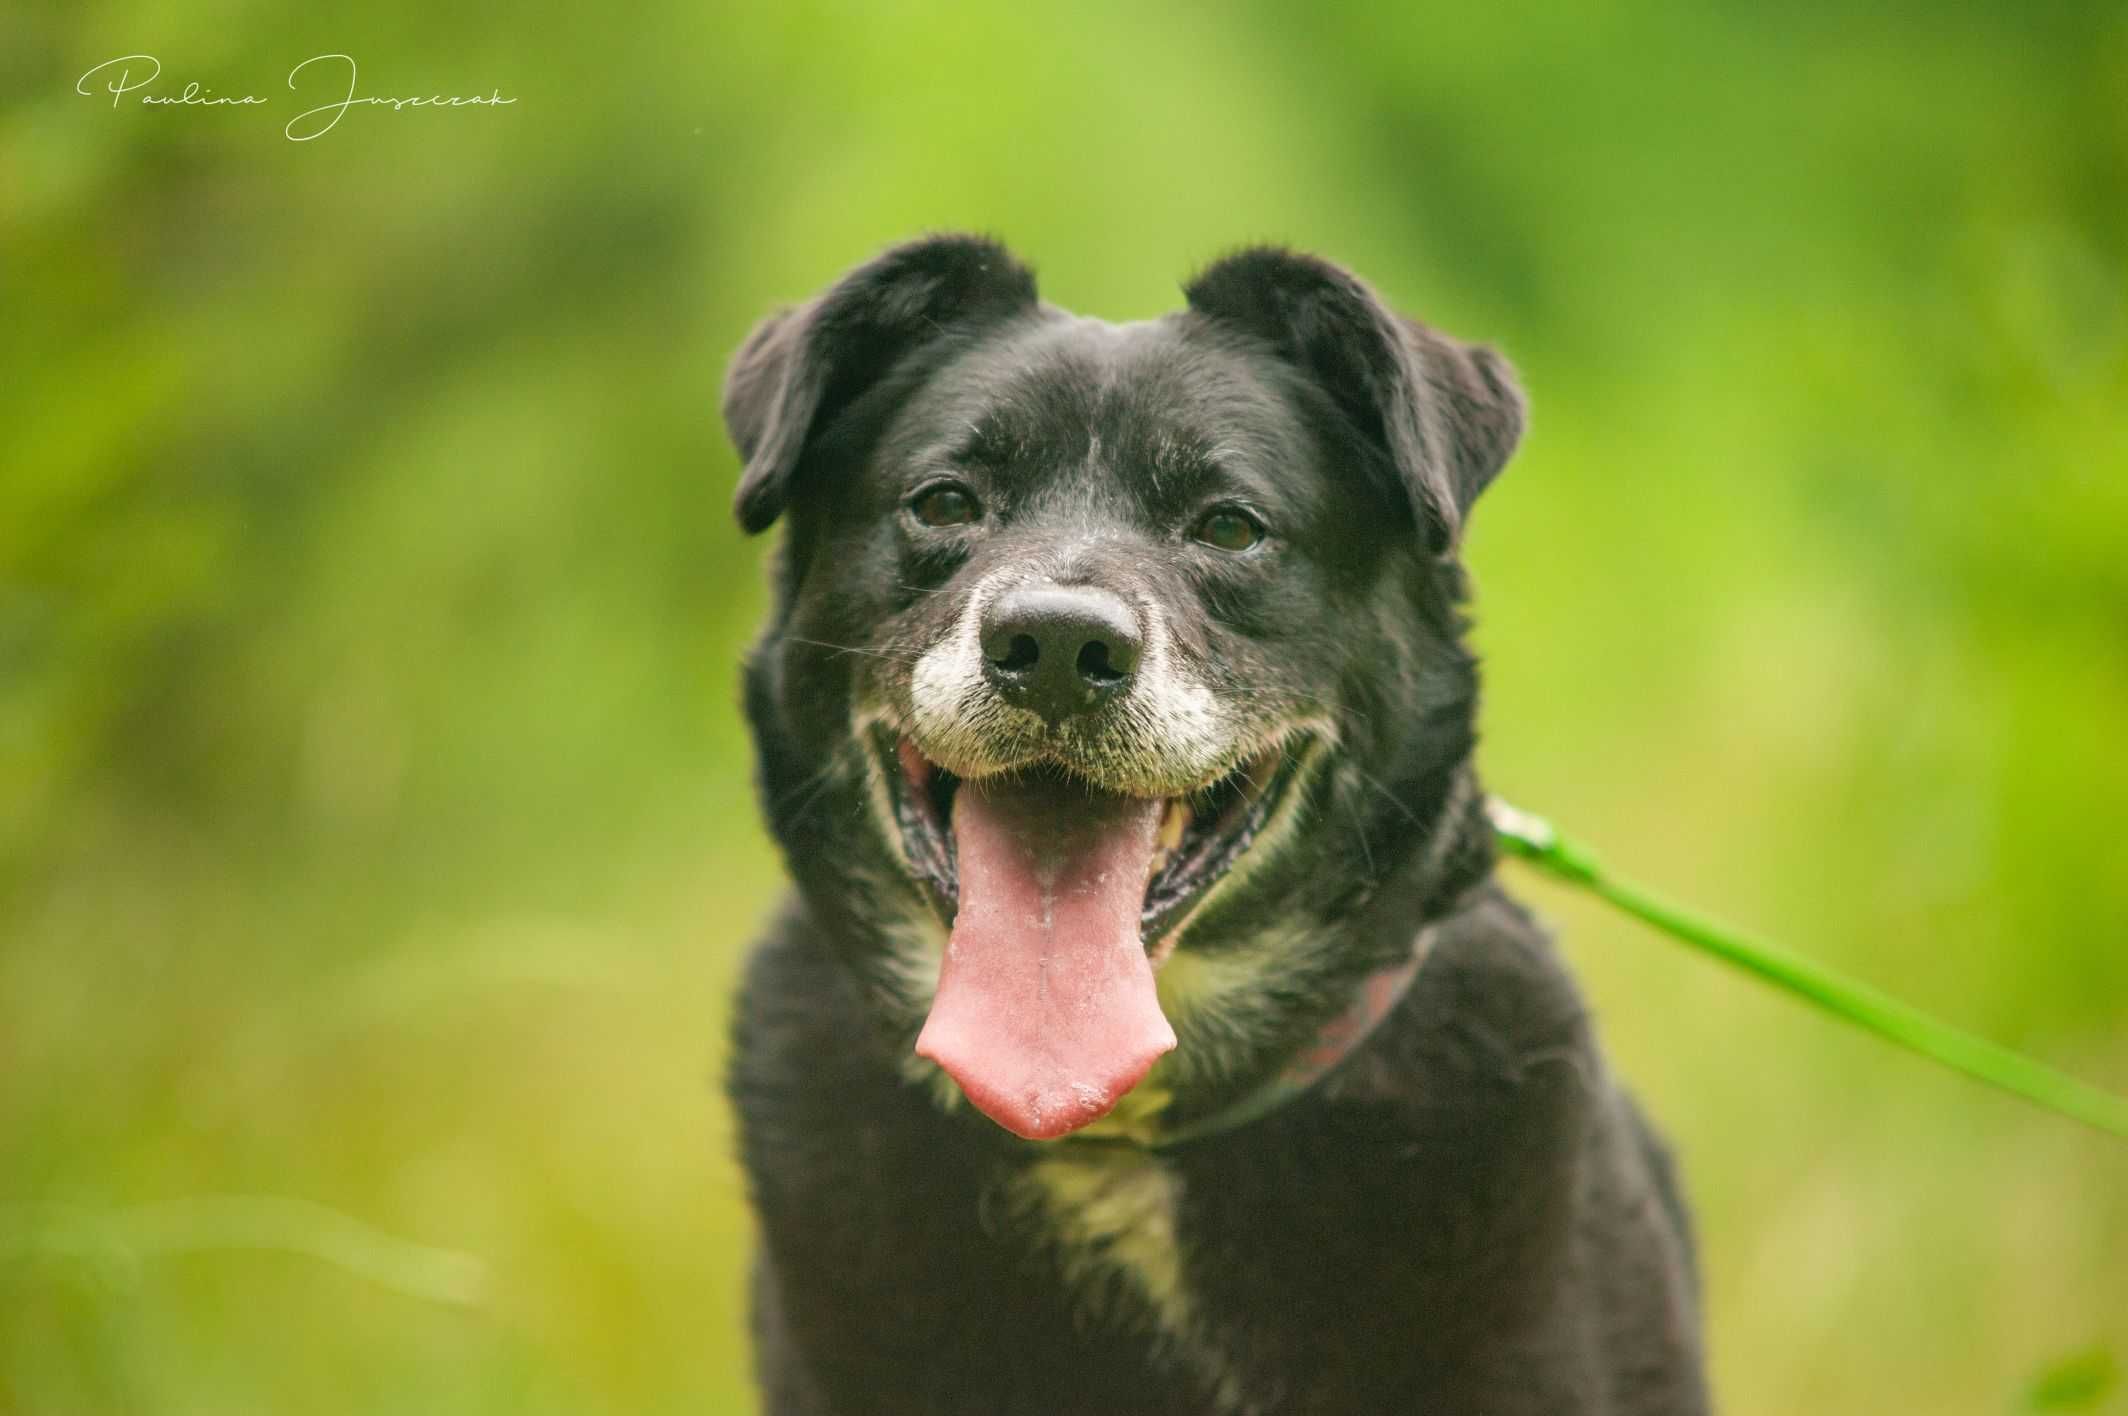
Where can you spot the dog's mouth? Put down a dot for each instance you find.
(1203, 833)
(1062, 897)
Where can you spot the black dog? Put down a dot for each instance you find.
(1147, 1033)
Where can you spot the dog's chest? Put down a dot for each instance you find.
(1109, 1217)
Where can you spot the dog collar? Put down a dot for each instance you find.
(1376, 998)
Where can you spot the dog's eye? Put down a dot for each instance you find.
(945, 505)
(1227, 528)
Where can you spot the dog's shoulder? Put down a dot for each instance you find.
(807, 1052)
(1492, 1008)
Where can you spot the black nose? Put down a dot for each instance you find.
(1058, 650)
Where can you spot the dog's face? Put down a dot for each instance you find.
(1113, 697)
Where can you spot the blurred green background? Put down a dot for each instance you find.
(376, 842)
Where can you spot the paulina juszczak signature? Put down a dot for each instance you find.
(311, 123)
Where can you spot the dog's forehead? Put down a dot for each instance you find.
(1166, 393)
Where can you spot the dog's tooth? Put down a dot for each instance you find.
(1174, 824)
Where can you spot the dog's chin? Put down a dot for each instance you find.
(1206, 831)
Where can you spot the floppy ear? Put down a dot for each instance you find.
(801, 367)
(1447, 413)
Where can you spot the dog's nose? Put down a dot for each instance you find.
(1059, 650)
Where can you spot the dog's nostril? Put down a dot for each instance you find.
(1094, 662)
(1059, 650)
(1020, 654)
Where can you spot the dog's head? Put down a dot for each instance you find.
(1113, 691)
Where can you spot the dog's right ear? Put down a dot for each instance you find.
(801, 367)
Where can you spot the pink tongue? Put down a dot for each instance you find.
(1045, 1011)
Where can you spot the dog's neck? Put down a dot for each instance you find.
(1453, 860)
(1375, 999)
(1143, 1125)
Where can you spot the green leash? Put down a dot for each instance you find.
(1533, 839)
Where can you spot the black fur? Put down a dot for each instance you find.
(1468, 1216)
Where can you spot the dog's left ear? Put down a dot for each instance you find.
(801, 367)
(1447, 413)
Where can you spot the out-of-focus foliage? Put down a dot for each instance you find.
(375, 835)
(2076, 1383)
